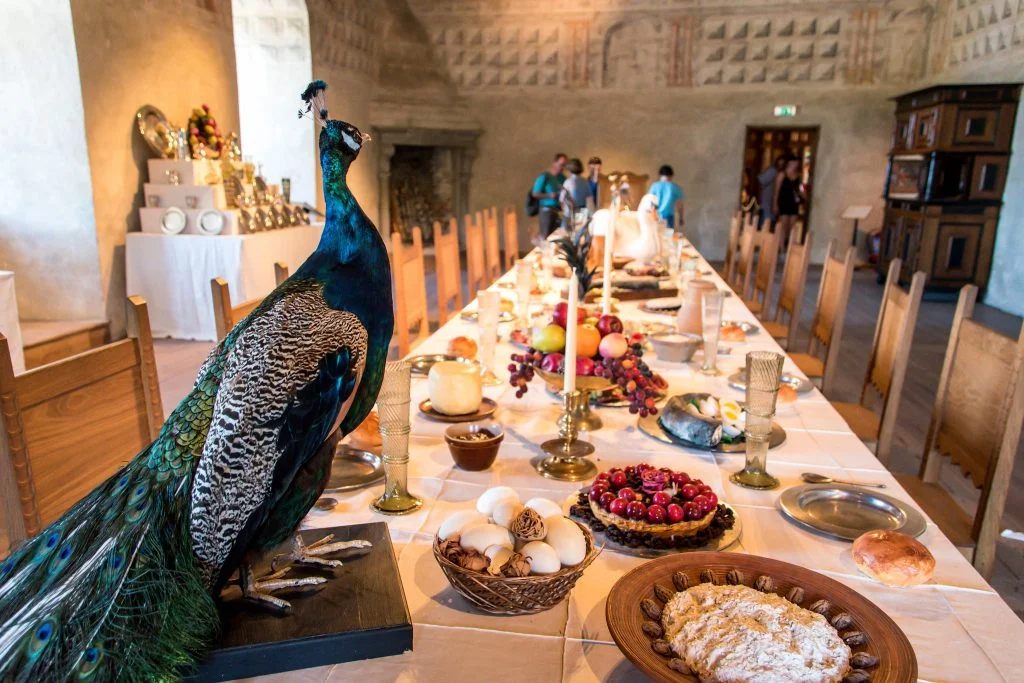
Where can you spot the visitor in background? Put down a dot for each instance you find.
(594, 179)
(546, 189)
(787, 199)
(670, 198)
(575, 195)
(767, 182)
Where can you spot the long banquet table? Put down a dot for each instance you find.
(961, 630)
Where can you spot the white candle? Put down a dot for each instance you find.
(609, 241)
(570, 336)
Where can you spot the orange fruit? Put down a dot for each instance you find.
(587, 341)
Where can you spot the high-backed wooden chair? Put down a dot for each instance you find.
(976, 421)
(492, 246)
(410, 290)
(744, 270)
(887, 364)
(225, 315)
(827, 324)
(731, 249)
(510, 227)
(764, 275)
(791, 294)
(71, 424)
(475, 268)
(449, 271)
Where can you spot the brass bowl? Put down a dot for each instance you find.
(584, 382)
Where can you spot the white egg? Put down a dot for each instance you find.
(544, 507)
(490, 498)
(505, 512)
(479, 538)
(567, 540)
(543, 558)
(458, 522)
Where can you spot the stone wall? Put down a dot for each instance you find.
(173, 54)
(47, 221)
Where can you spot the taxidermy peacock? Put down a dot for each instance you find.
(122, 587)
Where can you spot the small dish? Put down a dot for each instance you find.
(474, 445)
(210, 222)
(486, 409)
(353, 469)
(738, 380)
(173, 221)
(421, 364)
(675, 347)
(474, 315)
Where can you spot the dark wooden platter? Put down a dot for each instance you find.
(897, 662)
(360, 613)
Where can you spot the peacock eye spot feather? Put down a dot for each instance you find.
(51, 540)
(65, 552)
(44, 631)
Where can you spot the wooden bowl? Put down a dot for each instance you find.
(885, 640)
(474, 456)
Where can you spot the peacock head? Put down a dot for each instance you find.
(338, 139)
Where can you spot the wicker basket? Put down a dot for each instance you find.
(516, 595)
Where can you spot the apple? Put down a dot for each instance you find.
(584, 366)
(561, 315)
(552, 363)
(613, 346)
(607, 324)
(550, 339)
(590, 321)
(587, 341)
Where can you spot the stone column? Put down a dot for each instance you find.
(387, 151)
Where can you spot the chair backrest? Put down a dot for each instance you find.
(791, 291)
(410, 290)
(830, 311)
(977, 418)
(745, 266)
(511, 235)
(475, 268)
(71, 424)
(767, 261)
(890, 351)
(492, 245)
(734, 244)
(449, 271)
(225, 315)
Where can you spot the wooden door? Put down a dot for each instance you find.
(764, 146)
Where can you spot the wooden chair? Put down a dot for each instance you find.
(827, 324)
(764, 276)
(476, 270)
(511, 234)
(449, 271)
(410, 290)
(225, 315)
(71, 424)
(731, 248)
(791, 294)
(749, 239)
(887, 364)
(492, 246)
(976, 421)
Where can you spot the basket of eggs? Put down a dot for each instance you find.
(512, 558)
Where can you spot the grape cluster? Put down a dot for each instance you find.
(521, 369)
(634, 378)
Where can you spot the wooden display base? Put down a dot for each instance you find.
(360, 613)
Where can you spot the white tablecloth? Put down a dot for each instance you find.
(173, 273)
(9, 325)
(961, 630)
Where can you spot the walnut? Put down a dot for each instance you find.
(528, 525)
(650, 608)
(653, 629)
(662, 647)
(795, 595)
(854, 638)
(765, 584)
(857, 676)
(679, 666)
(734, 577)
(680, 581)
(662, 593)
(517, 565)
(707, 576)
(821, 607)
(863, 660)
(473, 561)
(842, 621)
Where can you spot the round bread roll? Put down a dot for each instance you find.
(463, 347)
(732, 333)
(787, 394)
(893, 558)
(366, 436)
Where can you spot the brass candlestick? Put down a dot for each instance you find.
(566, 454)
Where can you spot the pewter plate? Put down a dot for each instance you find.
(503, 316)
(845, 512)
(748, 328)
(651, 427)
(738, 380)
(353, 469)
(421, 364)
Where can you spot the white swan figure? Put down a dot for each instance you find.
(644, 245)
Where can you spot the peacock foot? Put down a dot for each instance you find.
(314, 554)
(260, 590)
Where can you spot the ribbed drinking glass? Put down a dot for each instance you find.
(393, 406)
(488, 310)
(524, 284)
(711, 319)
(764, 374)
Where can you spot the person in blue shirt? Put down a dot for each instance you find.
(546, 189)
(594, 178)
(670, 198)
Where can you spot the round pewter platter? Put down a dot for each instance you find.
(421, 364)
(738, 380)
(353, 469)
(845, 512)
(651, 427)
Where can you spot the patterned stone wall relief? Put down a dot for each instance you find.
(578, 70)
(982, 28)
(345, 35)
(861, 63)
(634, 54)
(484, 55)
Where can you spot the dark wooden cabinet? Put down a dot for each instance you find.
(944, 185)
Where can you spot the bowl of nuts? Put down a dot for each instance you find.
(474, 445)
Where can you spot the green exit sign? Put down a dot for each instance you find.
(785, 110)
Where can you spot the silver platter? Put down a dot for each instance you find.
(845, 512)
(738, 380)
(354, 469)
(651, 427)
(503, 316)
(421, 364)
(748, 328)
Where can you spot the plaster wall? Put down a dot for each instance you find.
(47, 225)
(173, 54)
